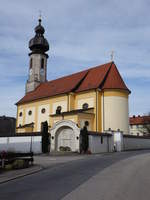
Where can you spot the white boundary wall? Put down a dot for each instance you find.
(100, 143)
(131, 143)
(21, 144)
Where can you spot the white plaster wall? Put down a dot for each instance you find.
(57, 120)
(20, 119)
(116, 113)
(66, 137)
(135, 143)
(89, 101)
(21, 144)
(63, 104)
(30, 118)
(43, 116)
(95, 145)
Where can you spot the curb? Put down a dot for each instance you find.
(33, 170)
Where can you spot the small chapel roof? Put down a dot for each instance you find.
(104, 76)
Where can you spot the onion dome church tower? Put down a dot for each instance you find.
(38, 59)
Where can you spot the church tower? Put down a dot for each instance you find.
(38, 59)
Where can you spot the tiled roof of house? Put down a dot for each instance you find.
(103, 77)
(139, 120)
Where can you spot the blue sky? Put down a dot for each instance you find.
(81, 34)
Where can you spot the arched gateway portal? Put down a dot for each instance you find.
(65, 133)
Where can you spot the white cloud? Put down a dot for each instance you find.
(81, 34)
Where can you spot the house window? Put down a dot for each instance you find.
(58, 110)
(85, 106)
(42, 63)
(43, 110)
(30, 112)
(20, 114)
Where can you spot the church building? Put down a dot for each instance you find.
(96, 96)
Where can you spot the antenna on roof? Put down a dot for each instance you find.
(112, 55)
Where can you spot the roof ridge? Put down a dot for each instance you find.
(89, 69)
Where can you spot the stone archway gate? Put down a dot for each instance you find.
(65, 133)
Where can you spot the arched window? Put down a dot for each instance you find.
(58, 110)
(42, 63)
(31, 63)
(30, 112)
(20, 114)
(85, 106)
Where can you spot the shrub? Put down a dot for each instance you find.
(20, 164)
(61, 148)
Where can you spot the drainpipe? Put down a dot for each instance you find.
(68, 102)
(97, 106)
(103, 114)
(96, 110)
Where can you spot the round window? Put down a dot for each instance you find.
(20, 114)
(30, 112)
(58, 110)
(43, 110)
(85, 106)
(86, 123)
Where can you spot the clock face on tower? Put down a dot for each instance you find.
(30, 72)
(41, 71)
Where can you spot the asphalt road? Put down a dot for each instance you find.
(114, 176)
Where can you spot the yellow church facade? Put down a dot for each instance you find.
(72, 102)
(97, 96)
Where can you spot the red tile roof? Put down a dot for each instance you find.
(114, 79)
(104, 77)
(139, 120)
(94, 77)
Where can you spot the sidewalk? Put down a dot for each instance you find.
(14, 174)
(42, 161)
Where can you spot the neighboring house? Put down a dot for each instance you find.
(140, 125)
(97, 96)
(7, 126)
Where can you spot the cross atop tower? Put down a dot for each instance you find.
(40, 14)
(112, 55)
